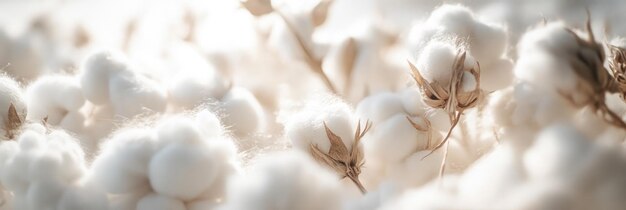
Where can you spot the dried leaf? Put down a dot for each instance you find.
(320, 12)
(344, 162)
(258, 7)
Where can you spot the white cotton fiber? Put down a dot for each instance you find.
(107, 79)
(486, 42)
(242, 112)
(436, 62)
(59, 98)
(287, 181)
(306, 127)
(132, 94)
(182, 171)
(95, 75)
(180, 158)
(159, 202)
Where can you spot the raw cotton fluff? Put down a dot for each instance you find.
(10, 93)
(485, 41)
(58, 100)
(107, 80)
(43, 169)
(287, 181)
(393, 141)
(544, 55)
(242, 112)
(178, 161)
(306, 127)
(195, 80)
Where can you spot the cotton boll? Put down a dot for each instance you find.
(182, 171)
(288, 181)
(132, 94)
(468, 82)
(44, 101)
(159, 202)
(417, 170)
(192, 89)
(122, 166)
(455, 18)
(209, 124)
(395, 139)
(412, 101)
(242, 112)
(306, 127)
(436, 62)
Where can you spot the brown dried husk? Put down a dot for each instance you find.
(450, 98)
(13, 122)
(595, 79)
(344, 162)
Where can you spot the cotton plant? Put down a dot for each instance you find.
(327, 130)
(180, 161)
(485, 41)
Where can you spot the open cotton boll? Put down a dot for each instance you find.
(395, 139)
(242, 112)
(58, 98)
(306, 127)
(380, 107)
(286, 181)
(543, 58)
(436, 62)
(191, 90)
(486, 41)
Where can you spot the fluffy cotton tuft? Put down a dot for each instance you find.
(180, 159)
(107, 80)
(288, 181)
(486, 42)
(306, 127)
(59, 99)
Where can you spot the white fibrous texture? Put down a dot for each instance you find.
(305, 127)
(45, 170)
(288, 181)
(436, 64)
(57, 100)
(179, 161)
(486, 42)
(107, 80)
(10, 93)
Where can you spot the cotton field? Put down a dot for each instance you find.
(312, 105)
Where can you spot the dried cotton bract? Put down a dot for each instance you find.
(558, 59)
(12, 107)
